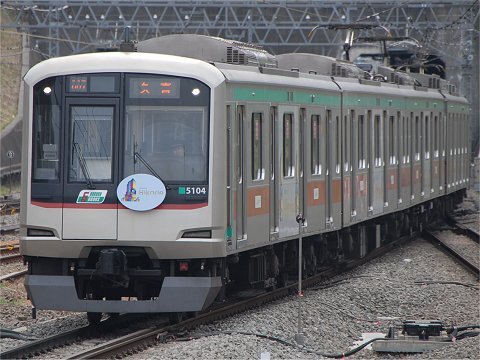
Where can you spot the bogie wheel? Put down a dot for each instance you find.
(94, 318)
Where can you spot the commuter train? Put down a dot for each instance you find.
(159, 177)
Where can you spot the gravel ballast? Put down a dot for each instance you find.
(369, 300)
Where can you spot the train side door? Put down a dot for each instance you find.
(90, 197)
(375, 164)
(314, 169)
(238, 182)
(416, 157)
(274, 166)
(256, 174)
(346, 167)
(334, 176)
(427, 155)
(288, 145)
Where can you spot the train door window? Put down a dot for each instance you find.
(91, 131)
(361, 141)
(338, 141)
(288, 164)
(453, 149)
(409, 137)
(353, 141)
(315, 145)
(377, 141)
(239, 144)
(459, 122)
(46, 131)
(302, 140)
(451, 132)
(417, 138)
(404, 140)
(258, 172)
(427, 137)
(391, 140)
(346, 144)
(397, 137)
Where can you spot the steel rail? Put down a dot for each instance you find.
(5, 229)
(8, 258)
(462, 229)
(42, 346)
(12, 276)
(8, 249)
(467, 264)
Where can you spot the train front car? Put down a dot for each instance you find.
(118, 183)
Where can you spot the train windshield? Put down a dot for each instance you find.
(171, 140)
(90, 131)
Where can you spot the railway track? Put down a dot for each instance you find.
(453, 248)
(137, 341)
(462, 229)
(9, 206)
(43, 346)
(9, 249)
(13, 275)
(8, 229)
(9, 258)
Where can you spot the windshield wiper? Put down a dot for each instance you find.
(83, 165)
(136, 156)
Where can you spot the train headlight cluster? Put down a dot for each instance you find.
(195, 91)
(47, 90)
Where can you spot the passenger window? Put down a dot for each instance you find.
(288, 145)
(257, 153)
(315, 141)
(427, 137)
(391, 140)
(417, 138)
(338, 140)
(377, 141)
(361, 142)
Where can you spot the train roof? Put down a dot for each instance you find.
(125, 62)
(213, 60)
(209, 48)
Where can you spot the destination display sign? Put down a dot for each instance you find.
(154, 88)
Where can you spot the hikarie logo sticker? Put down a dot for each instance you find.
(91, 196)
(141, 192)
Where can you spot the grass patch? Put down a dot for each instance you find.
(10, 73)
(5, 188)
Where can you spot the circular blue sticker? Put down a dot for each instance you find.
(141, 192)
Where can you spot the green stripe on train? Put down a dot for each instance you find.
(282, 96)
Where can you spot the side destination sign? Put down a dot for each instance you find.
(141, 192)
(91, 196)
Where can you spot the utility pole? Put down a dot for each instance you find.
(299, 337)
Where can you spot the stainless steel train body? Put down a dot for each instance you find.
(241, 150)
